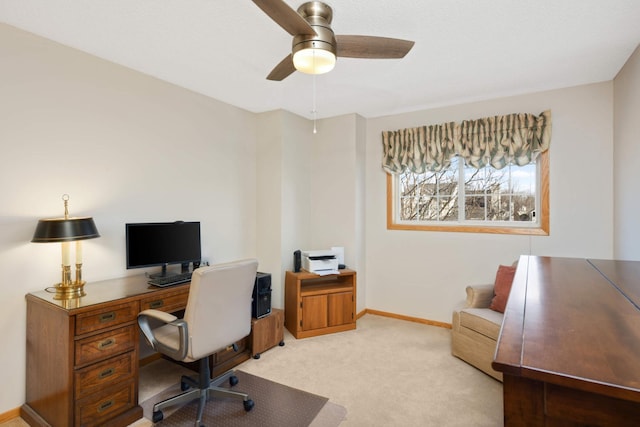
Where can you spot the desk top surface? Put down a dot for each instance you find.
(574, 322)
(104, 291)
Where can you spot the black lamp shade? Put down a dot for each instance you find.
(65, 230)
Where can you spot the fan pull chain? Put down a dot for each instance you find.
(315, 111)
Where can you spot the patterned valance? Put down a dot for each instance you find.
(497, 141)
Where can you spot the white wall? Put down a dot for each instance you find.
(296, 197)
(125, 147)
(627, 153)
(332, 188)
(310, 191)
(284, 200)
(423, 274)
(337, 192)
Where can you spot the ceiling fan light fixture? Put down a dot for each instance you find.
(314, 60)
(315, 47)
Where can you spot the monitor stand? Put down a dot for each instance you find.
(163, 273)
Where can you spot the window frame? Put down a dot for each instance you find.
(541, 230)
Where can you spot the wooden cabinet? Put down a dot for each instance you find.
(82, 354)
(316, 305)
(82, 369)
(267, 332)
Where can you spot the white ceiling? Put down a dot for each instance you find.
(465, 50)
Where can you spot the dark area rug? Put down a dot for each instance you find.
(276, 405)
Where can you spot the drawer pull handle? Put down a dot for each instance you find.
(105, 405)
(106, 343)
(106, 373)
(107, 317)
(156, 304)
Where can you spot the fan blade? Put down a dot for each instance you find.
(284, 16)
(372, 47)
(283, 69)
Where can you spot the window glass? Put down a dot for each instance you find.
(469, 199)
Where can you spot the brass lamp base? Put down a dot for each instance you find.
(70, 291)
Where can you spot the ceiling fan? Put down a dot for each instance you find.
(315, 47)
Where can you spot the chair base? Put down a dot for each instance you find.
(203, 389)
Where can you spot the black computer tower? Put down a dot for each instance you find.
(261, 304)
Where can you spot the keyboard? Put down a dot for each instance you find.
(174, 279)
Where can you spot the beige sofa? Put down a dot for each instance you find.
(475, 329)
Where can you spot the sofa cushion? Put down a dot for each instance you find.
(502, 287)
(482, 320)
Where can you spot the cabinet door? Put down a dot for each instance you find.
(314, 312)
(340, 308)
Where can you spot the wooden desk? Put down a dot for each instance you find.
(82, 354)
(569, 347)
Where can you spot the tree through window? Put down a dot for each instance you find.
(511, 200)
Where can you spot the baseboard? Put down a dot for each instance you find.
(403, 317)
(9, 415)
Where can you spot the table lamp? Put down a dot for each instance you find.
(66, 230)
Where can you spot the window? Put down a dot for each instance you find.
(511, 200)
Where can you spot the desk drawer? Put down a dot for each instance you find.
(107, 344)
(227, 354)
(103, 374)
(168, 302)
(99, 408)
(106, 317)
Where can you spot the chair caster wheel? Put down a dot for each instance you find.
(233, 380)
(157, 416)
(256, 356)
(281, 343)
(248, 405)
(184, 386)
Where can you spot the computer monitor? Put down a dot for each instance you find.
(153, 244)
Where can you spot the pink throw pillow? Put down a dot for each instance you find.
(502, 287)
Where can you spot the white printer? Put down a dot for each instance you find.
(320, 261)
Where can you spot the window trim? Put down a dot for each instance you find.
(541, 230)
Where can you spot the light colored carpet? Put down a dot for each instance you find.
(387, 372)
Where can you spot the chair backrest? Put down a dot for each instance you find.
(218, 310)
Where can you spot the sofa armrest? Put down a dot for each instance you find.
(479, 296)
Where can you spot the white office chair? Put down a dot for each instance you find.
(218, 314)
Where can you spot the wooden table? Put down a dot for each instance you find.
(569, 347)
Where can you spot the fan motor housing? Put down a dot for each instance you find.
(319, 16)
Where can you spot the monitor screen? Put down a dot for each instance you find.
(162, 243)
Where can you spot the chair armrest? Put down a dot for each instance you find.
(162, 316)
(479, 296)
(168, 319)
